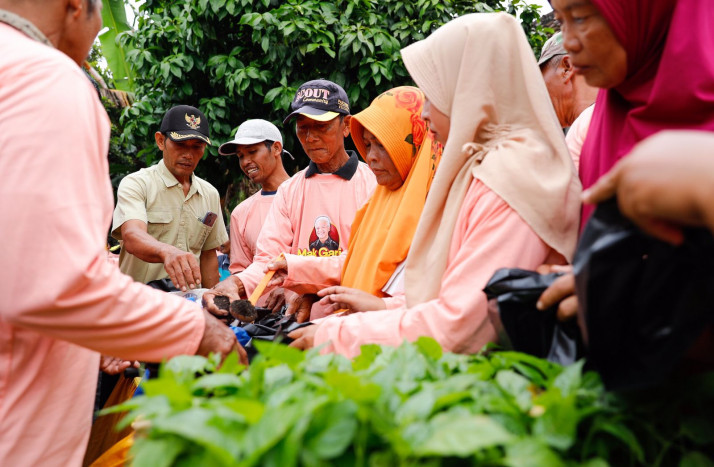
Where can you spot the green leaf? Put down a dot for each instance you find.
(695, 459)
(156, 452)
(570, 379)
(114, 18)
(429, 347)
(332, 430)
(528, 452)
(460, 434)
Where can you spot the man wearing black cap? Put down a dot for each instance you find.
(169, 220)
(333, 186)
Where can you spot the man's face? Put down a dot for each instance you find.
(81, 28)
(322, 228)
(181, 158)
(559, 89)
(322, 141)
(257, 161)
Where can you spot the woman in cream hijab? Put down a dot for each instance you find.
(505, 194)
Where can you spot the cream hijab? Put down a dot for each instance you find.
(480, 71)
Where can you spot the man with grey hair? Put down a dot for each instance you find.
(570, 94)
(57, 202)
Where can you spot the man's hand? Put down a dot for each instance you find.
(303, 338)
(276, 300)
(218, 338)
(114, 366)
(280, 266)
(231, 287)
(665, 183)
(352, 300)
(182, 268)
(300, 306)
(561, 292)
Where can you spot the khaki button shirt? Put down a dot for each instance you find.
(154, 196)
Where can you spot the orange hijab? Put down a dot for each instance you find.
(383, 228)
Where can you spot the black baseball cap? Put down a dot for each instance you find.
(320, 100)
(184, 122)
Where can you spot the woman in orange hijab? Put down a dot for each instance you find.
(393, 139)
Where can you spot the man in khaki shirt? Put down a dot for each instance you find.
(168, 219)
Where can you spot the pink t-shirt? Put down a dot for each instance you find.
(488, 235)
(246, 222)
(577, 133)
(60, 295)
(310, 217)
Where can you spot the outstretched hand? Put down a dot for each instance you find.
(659, 192)
(351, 300)
(114, 366)
(231, 287)
(280, 266)
(182, 268)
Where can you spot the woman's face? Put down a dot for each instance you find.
(439, 123)
(593, 48)
(379, 161)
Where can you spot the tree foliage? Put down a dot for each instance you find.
(241, 59)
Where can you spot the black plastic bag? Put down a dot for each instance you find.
(521, 326)
(274, 327)
(642, 302)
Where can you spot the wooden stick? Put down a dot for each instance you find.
(263, 283)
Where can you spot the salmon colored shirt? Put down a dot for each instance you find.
(488, 235)
(247, 220)
(59, 296)
(577, 133)
(300, 201)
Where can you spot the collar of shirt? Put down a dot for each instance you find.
(347, 171)
(21, 24)
(170, 180)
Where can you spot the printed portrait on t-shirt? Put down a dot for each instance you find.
(324, 237)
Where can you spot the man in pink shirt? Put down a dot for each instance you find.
(259, 147)
(333, 186)
(57, 205)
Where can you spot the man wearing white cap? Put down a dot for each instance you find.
(259, 147)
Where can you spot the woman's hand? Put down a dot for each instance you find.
(280, 266)
(665, 183)
(352, 300)
(303, 338)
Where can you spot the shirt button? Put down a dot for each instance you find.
(183, 223)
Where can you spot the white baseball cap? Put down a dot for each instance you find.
(251, 132)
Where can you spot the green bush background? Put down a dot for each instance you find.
(241, 59)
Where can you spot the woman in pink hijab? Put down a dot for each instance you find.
(654, 60)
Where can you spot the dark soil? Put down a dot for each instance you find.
(243, 310)
(222, 302)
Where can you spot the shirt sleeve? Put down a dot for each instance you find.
(489, 235)
(310, 274)
(241, 252)
(131, 204)
(276, 237)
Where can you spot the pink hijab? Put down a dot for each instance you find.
(669, 83)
